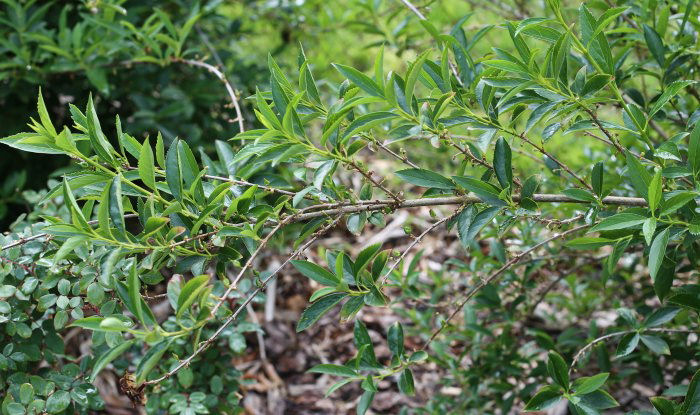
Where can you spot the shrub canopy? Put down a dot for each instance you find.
(556, 154)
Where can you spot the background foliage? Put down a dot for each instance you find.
(496, 199)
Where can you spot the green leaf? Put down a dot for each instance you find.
(114, 324)
(352, 306)
(405, 383)
(544, 398)
(597, 400)
(655, 344)
(365, 256)
(312, 313)
(588, 384)
(160, 151)
(619, 221)
(108, 266)
(76, 213)
(691, 403)
(530, 22)
(379, 68)
(44, 115)
(316, 273)
(26, 393)
(425, 178)
(335, 370)
(322, 172)
(502, 163)
(150, 360)
(413, 74)
(367, 121)
(595, 84)
(627, 344)
(507, 66)
(670, 92)
(597, 178)
(147, 166)
(356, 222)
(638, 175)
(661, 316)
(648, 229)
(579, 194)
(395, 339)
(108, 357)
(361, 80)
(57, 402)
(68, 247)
(133, 284)
(664, 406)
(97, 139)
(173, 171)
(605, 19)
(484, 191)
(365, 402)
(116, 209)
(90, 323)
(189, 293)
(694, 150)
(558, 369)
(598, 46)
(655, 188)
(676, 202)
(657, 252)
(589, 243)
(664, 278)
(33, 143)
(655, 44)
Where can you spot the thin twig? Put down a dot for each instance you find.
(402, 158)
(585, 348)
(415, 242)
(414, 9)
(613, 140)
(205, 344)
(214, 70)
(377, 183)
(485, 281)
(232, 286)
(421, 16)
(566, 168)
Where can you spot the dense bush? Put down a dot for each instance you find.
(560, 149)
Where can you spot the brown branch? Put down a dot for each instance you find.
(366, 206)
(381, 204)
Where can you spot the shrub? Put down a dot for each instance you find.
(602, 98)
